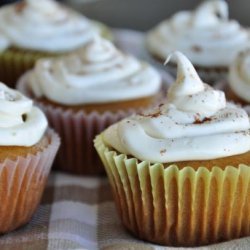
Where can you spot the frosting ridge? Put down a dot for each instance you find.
(45, 26)
(97, 73)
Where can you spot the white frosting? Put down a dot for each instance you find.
(195, 124)
(239, 75)
(4, 43)
(45, 26)
(98, 73)
(21, 124)
(205, 35)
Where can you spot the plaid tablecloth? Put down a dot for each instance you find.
(78, 213)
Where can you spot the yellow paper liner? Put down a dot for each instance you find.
(22, 182)
(15, 62)
(174, 207)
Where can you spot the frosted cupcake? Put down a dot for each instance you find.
(238, 89)
(84, 93)
(35, 29)
(180, 173)
(205, 35)
(27, 150)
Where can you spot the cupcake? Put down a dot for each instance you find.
(35, 29)
(180, 172)
(27, 150)
(238, 89)
(205, 35)
(84, 93)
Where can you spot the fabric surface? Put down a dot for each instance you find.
(78, 213)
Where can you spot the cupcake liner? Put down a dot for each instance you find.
(77, 131)
(15, 62)
(178, 207)
(22, 182)
(105, 31)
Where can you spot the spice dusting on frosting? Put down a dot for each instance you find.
(20, 6)
(97, 73)
(195, 123)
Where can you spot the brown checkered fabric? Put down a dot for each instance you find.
(79, 213)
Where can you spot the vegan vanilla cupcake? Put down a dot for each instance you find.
(84, 93)
(206, 35)
(33, 29)
(27, 150)
(238, 89)
(180, 173)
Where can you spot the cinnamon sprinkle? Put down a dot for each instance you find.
(20, 6)
(163, 151)
(196, 48)
(153, 115)
(198, 121)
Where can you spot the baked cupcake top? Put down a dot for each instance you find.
(98, 73)
(196, 123)
(239, 75)
(45, 26)
(21, 124)
(205, 35)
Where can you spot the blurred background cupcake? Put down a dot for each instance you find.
(205, 35)
(180, 172)
(87, 91)
(27, 151)
(237, 86)
(34, 29)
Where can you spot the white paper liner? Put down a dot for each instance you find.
(22, 182)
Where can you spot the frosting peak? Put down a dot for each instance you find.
(196, 123)
(98, 73)
(187, 81)
(21, 124)
(205, 35)
(190, 94)
(52, 26)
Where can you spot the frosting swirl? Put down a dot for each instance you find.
(45, 26)
(21, 124)
(98, 73)
(195, 124)
(205, 35)
(239, 75)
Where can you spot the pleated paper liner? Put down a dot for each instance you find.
(77, 131)
(178, 207)
(15, 62)
(22, 182)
